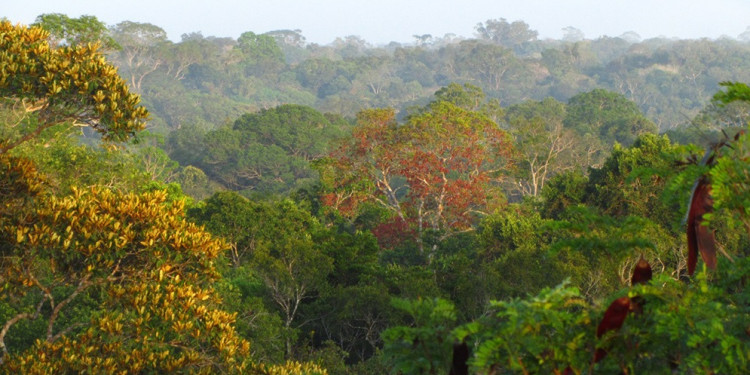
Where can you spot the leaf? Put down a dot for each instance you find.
(700, 237)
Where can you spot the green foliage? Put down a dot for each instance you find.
(260, 53)
(425, 346)
(68, 163)
(75, 31)
(325, 77)
(280, 243)
(242, 293)
(467, 96)
(544, 147)
(608, 115)
(234, 218)
(702, 323)
(736, 91)
(509, 34)
(133, 34)
(597, 251)
(542, 334)
(730, 185)
(513, 257)
(70, 84)
(410, 206)
(269, 151)
(562, 191)
(631, 180)
(186, 145)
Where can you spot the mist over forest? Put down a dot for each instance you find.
(492, 204)
(670, 80)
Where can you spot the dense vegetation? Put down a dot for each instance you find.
(451, 206)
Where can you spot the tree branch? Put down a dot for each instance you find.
(82, 285)
(14, 320)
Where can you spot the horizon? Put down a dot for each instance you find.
(392, 21)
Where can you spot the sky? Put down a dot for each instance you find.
(382, 21)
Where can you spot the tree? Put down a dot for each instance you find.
(424, 347)
(66, 163)
(513, 258)
(539, 334)
(571, 34)
(69, 84)
(506, 34)
(544, 146)
(350, 46)
(325, 77)
(375, 78)
(423, 40)
(261, 54)
(292, 44)
(432, 173)
(729, 177)
(179, 57)
(277, 243)
(270, 151)
(353, 309)
(298, 130)
(138, 41)
(607, 115)
(292, 38)
(489, 63)
(235, 219)
(467, 96)
(562, 191)
(632, 180)
(195, 183)
(745, 35)
(75, 31)
(152, 267)
(290, 264)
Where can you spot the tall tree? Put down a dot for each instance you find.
(504, 33)
(71, 31)
(71, 84)
(261, 54)
(151, 268)
(608, 115)
(432, 173)
(277, 243)
(489, 63)
(544, 146)
(138, 41)
(270, 151)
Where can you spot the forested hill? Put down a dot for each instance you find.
(501, 205)
(206, 81)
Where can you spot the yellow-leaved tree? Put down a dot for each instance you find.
(48, 86)
(147, 271)
(99, 281)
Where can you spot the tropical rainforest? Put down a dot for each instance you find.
(490, 205)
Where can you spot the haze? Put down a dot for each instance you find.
(383, 21)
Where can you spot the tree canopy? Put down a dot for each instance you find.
(69, 84)
(491, 205)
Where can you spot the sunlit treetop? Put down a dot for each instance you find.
(68, 84)
(735, 91)
(75, 31)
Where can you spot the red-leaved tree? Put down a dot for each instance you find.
(435, 172)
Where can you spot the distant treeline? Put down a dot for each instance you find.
(208, 81)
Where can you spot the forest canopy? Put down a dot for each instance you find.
(265, 205)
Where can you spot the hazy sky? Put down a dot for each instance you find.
(383, 21)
